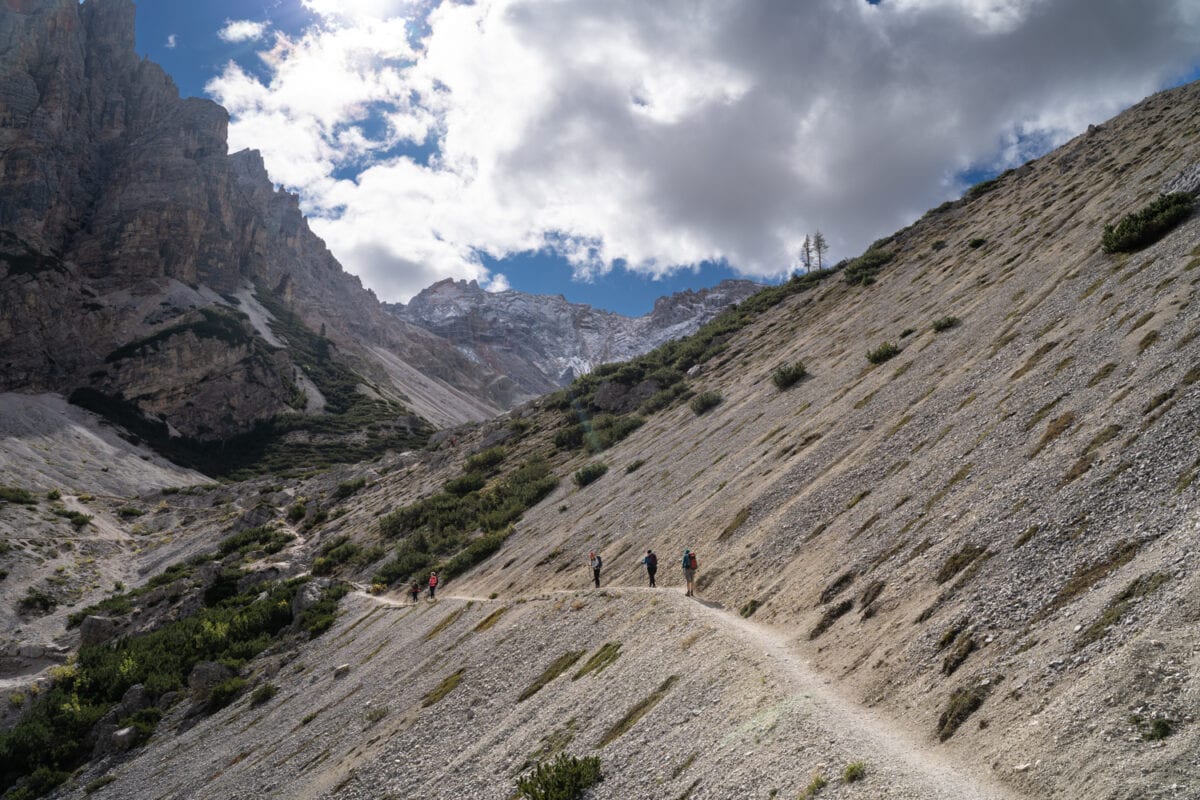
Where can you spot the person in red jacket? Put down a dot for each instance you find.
(433, 584)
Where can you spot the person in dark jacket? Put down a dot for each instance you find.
(596, 562)
(415, 591)
(651, 562)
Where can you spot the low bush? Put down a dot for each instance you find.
(1146, 226)
(485, 460)
(946, 323)
(263, 694)
(465, 484)
(590, 473)
(265, 538)
(862, 270)
(976, 243)
(882, 353)
(37, 601)
(11, 494)
(127, 512)
(705, 402)
(788, 375)
(814, 787)
(224, 693)
(635, 465)
(347, 488)
(963, 703)
(565, 778)
(854, 772)
(297, 512)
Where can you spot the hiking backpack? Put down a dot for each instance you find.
(691, 560)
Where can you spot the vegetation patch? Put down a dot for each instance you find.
(786, 376)
(831, 615)
(838, 585)
(945, 323)
(738, 520)
(1088, 575)
(635, 714)
(1146, 226)
(863, 270)
(963, 703)
(854, 772)
(882, 353)
(1033, 360)
(489, 622)
(1118, 607)
(263, 694)
(603, 658)
(12, 494)
(485, 461)
(958, 562)
(964, 645)
(635, 465)
(347, 488)
(705, 402)
(440, 526)
(448, 685)
(556, 668)
(1054, 429)
(590, 473)
(565, 778)
(748, 609)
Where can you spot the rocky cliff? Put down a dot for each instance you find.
(128, 233)
(543, 342)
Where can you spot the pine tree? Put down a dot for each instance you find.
(820, 246)
(806, 253)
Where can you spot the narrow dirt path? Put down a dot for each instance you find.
(897, 750)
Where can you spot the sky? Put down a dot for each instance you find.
(617, 150)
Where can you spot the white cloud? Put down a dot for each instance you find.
(242, 30)
(665, 134)
(499, 283)
(172, 41)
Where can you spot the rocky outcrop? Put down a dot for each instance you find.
(126, 228)
(542, 342)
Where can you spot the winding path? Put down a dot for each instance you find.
(897, 750)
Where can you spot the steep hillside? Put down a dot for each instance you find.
(967, 559)
(542, 342)
(151, 274)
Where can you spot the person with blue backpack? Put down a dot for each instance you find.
(651, 562)
(689, 572)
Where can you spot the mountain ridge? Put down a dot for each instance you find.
(544, 341)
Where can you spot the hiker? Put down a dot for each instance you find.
(651, 562)
(433, 582)
(689, 571)
(415, 591)
(596, 562)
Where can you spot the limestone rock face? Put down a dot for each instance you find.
(543, 342)
(126, 229)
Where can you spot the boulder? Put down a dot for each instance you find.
(308, 596)
(205, 676)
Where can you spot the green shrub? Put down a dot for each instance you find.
(127, 512)
(788, 375)
(465, 484)
(485, 461)
(565, 778)
(963, 703)
(705, 401)
(99, 783)
(297, 512)
(862, 270)
(939, 244)
(635, 465)
(37, 601)
(976, 243)
(347, 488)
(882, 353)
(1145, 227)
(814, 787)
(265, 538)
(946, 323)
(224, 693)
(590, 473)
(144, 720)
(11, 494)
(263, 693)
(76, 518)
(854, 771)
